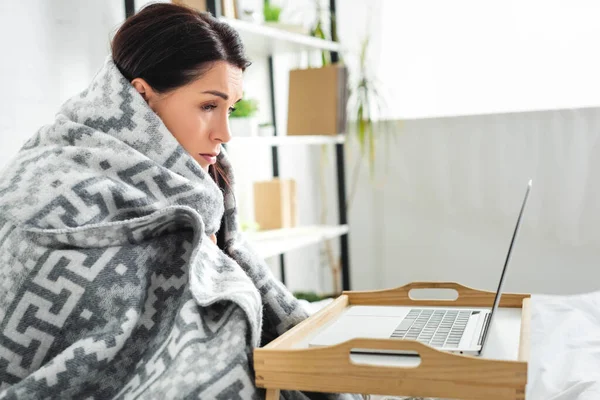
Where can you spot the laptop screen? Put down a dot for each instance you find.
(501, 283)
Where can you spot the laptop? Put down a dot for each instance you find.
(454, 329)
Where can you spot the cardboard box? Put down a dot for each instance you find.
(317, 101)
(228, 7)
(199, 5)
(275, 204)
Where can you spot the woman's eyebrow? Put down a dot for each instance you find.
(217, 93)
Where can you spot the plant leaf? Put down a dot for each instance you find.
(371, 149)
(360, 122)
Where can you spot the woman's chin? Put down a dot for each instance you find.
(203, 163)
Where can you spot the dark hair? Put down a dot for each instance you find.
(170, 46)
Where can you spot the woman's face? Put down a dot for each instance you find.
(197, 114)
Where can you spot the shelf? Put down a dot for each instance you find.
(279, 241)
(264, 40)
(288, 140)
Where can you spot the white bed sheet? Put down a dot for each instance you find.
(564, 362)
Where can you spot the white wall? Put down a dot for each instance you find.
(447, 206)
(447, 192)
(51, 50)
(464, 57)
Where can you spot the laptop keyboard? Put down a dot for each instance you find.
(437, 328)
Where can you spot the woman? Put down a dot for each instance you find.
(123, 273)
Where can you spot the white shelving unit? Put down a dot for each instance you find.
(288, 140)
(265, 41)
(279, 241)
(261, 40)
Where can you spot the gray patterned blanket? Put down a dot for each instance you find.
(110, 287)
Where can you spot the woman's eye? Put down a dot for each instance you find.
(208, 107)
(231, 109)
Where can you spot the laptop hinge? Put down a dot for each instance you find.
(486, 322)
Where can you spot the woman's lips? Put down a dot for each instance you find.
(210, 158)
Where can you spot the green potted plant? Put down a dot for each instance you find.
(272, 16)
(271, 12)
(312, 296)
(243, 121)
(363, 129)
(365, 104)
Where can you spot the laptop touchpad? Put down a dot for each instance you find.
(350, 327)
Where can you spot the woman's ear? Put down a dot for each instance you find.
(144, 89)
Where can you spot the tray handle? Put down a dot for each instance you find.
(401, 296)
(433, 366)
(461, 290)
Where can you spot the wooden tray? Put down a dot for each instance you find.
(279, 365)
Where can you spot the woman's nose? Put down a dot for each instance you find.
(222, 132)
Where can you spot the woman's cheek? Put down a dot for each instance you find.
(202, 125)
